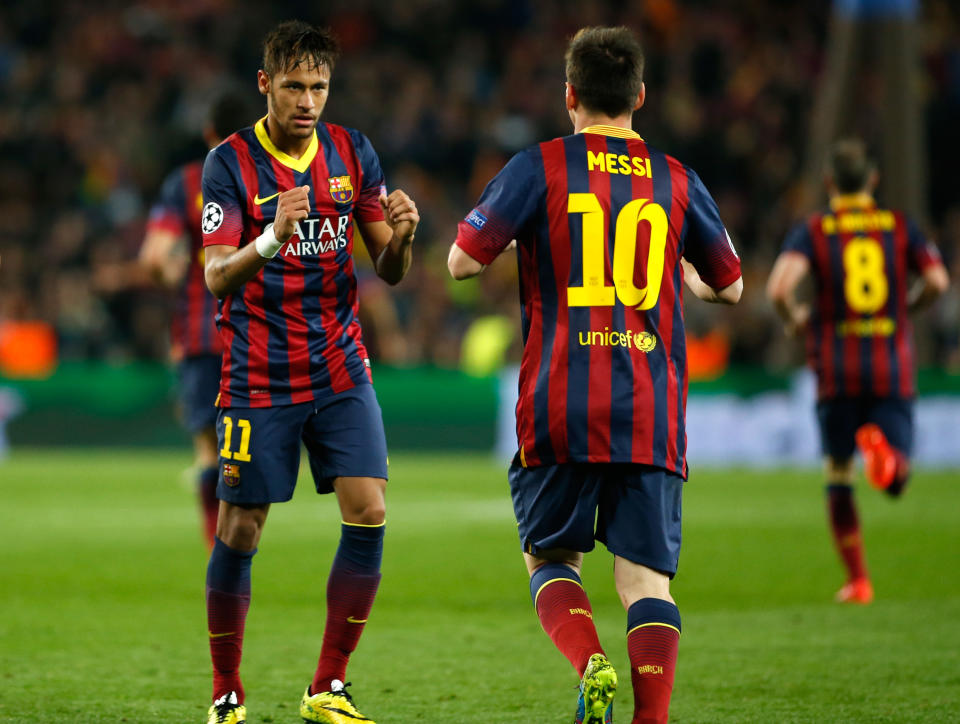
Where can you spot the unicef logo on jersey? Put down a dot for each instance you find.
(212, 217)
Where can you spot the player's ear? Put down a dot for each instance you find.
(641, 96)
(873, 180)
(571, 97)
(263, 82)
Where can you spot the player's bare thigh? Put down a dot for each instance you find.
(635, 581)
(361, 499)
(240, 526)
(574, 559)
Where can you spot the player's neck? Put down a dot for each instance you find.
(855, 199)
(585, 120)
(290, 145)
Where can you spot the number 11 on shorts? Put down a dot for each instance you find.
(243, 454)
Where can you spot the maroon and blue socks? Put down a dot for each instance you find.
(653, 633)
(210, 506)
(845, 527)
(565, 614)
(228, 599)
(351, 589)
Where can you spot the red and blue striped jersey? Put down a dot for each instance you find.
(601, 220)
(291, 334)
(177, 210)
(859, 338)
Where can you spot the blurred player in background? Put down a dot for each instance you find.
(172, 253)
(280, 201)
(859, 338)
(606, 229)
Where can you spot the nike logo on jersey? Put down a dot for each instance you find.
(257, 200)
(220, 635)
(351, 619)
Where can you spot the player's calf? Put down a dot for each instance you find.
(653, 634)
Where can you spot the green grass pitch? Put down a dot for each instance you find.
(102, 617)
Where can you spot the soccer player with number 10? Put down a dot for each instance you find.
(607, 228)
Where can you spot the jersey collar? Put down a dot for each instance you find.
(297, 164)
(859, 200)
(612, 131)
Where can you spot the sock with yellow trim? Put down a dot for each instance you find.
(228, 599)
(565, 614)
(653, 632)
(845, 526)
(351, 588)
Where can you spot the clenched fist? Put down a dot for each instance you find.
(401, 214)
(292, 206)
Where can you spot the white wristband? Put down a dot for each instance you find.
(267, 243)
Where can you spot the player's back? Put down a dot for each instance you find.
(859, 340)
(603, 377)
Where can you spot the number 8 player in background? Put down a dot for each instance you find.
(606, 228)
(859, 338)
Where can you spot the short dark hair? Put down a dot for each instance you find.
(293, 42)
(605, 68)
(229, 112)
(850, 165)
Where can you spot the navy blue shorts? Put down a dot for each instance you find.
(839, 419)
(199, 385)
(260, 446)
(636, 509)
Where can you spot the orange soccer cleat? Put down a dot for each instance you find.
(859, 590)
(879, 458)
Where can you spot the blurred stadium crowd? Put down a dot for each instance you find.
(101, 100)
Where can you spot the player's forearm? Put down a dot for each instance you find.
(394, 261)
(225, 273)
(461, 265)
(785, 307)
(170, 275)
(728, 295)
(931, 285)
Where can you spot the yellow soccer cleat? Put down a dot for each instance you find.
(597, 687)
(331, 707)
(226, 710)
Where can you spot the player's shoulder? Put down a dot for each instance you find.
(185, 169)
(676, 166)
(334, 130)
(226, 150)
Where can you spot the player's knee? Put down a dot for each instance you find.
(371, 513)
(571, 559)
(240, 528)
(635, 581)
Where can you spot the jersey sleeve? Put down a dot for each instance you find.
(169, 211)
(504, 208)
(708, 245)
(367, 207)
(798, 239)
(921, 251)
(221, 220)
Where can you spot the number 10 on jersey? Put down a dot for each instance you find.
(595, 291)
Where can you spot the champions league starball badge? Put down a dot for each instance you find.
(212, 218)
